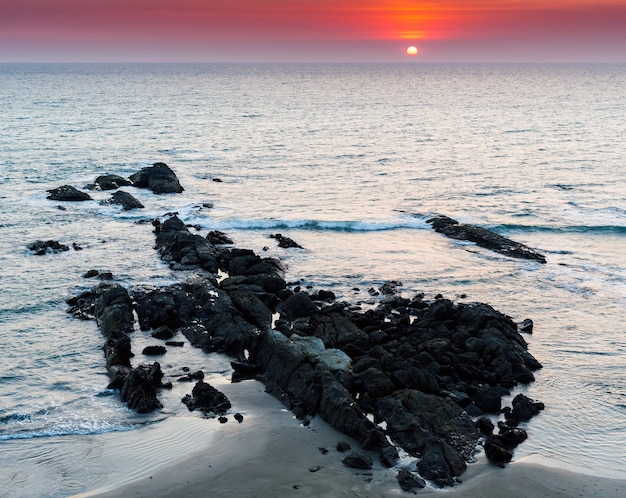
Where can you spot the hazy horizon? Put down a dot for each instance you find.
(325, 31)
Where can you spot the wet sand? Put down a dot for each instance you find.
(272, 454)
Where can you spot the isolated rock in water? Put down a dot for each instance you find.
(285, 242)
(40, 247)
(68, 193)
(206, 398)
(111, 182)
(483, 238)
(409, 482)
(159, 178)
(124, 199)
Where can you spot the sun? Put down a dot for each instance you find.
(411, 50)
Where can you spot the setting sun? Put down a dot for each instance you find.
(411, 50)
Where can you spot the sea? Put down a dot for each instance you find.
(350, 161)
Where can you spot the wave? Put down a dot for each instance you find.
(608, 229)
(317, 225)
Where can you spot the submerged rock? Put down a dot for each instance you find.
(40, 247)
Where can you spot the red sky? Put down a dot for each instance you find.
(313, 30)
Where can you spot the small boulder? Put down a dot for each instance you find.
(206, 398)
(124, 199)
(111, 182)
(358, 460)
(154, 350)
(409, 482)
(68, 193)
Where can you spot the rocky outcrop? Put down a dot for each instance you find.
(159, 178)
(285, 242)
(68, 193)
(41, 247)
(409, 374)
(484, 238)
(111, 306)
(184, 250)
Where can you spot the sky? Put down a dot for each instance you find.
(312, 30)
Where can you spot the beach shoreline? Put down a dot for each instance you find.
(273, 454)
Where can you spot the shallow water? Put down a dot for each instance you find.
(350, 161)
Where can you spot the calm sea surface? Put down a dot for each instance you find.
(348, 160)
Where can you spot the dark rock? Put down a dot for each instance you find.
(324, 295)
(40, 247)
(176, 344)
(68, 193)
(390, 288)
(222, 420)
(124, 199)
(358, 460)
(91, 273)
(139, 388)
(298, 305)
(239, 417)
(513, 437)
(215, 237)
(182, 249)
(485, 426)
(111, 182)
(496, 451)
(526, 327)
(488, 399)
(252, 308)
(409, 482)
(163, 333)
(524, 408)
(285, 242)
(323, 450)
(159, 178)
(483, 238)
(206, 398)
(105, 275)
(76, 247)
(154, 350)
(343, 446)
(375, 383)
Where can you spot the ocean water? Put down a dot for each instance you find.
(348, 160)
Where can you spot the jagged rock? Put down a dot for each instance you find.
(285, 242)
(182, 249)
(343, 446)
(40, 247)
(484, 238)
(206, 398)
(124, 199)
(68, 193)
(159, 178)
(111, 182)
(139, 388)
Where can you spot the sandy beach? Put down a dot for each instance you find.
(272, 454)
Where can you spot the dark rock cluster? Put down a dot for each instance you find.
(421, 375)
(41, 247)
